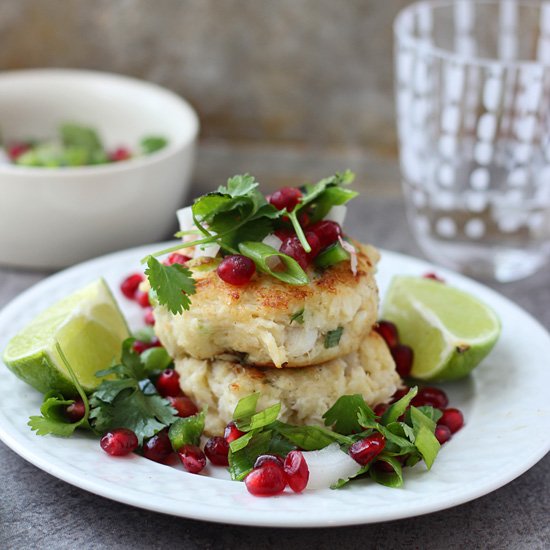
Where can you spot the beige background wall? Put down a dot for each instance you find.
(314, 72)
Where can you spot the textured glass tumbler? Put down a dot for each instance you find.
(473, 116)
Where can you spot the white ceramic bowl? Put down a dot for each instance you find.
(54, 217)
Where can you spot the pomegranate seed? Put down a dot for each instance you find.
(442, 433)
(158, 448)
(403, 357)
(142, 298)
(314, 243)
(293, 247)
(129, 286)
(149, 317)
(327, 231)
(176, 258)
(183, 405)
(287, 197)
(453, 419)
(168, 383)
(236, 270)
(75, 411)
(365, 450)
(388, 331)
(232, 432)
(433, 397)
(262, 460)
(192, 458)
(284, 233)
(267, 481)
(120, 153)
(400, 393)
(433, 276)
(217, 449)
(139, 346)
(119, 442)
(379, 410)
(15, 150)
(297, 471)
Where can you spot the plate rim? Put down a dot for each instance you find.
(132, 497)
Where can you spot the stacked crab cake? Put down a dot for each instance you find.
(303, 346)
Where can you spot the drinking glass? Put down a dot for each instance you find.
(473, 117)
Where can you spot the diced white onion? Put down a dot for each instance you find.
(300, 340)
(4, 158)
(207, 251)
(329, 465)
(337, 214)
(185, 219)
(350, 249)
(273, 241)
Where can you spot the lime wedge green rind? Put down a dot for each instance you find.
(449, 330)
(89, 327)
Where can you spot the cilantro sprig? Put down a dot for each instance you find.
(237, 217)
(409, 439)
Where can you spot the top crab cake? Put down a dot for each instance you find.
(270, 323)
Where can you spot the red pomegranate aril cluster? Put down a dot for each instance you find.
(286, 197)
(75, 411)
(402, 355)
(430, 396)
(119, 442)
(142, 298)
(192, 458)
(271, 474)
(232, 432)
(291, 246)
(183, 405)
(434, 277)
(15, 150)
(453, 419)
(149, 317)
(380, 409)
(158, 448)
(168, 383)
(236, 270)
(130, 285)
(366, 450)
(217, 451)
(327, 232)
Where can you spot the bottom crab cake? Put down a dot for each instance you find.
(305, 393)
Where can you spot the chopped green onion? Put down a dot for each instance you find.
(332, 255)
(333, 337)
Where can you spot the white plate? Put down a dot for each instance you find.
(505, 405)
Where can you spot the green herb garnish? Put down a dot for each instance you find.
(187, 431)
(332, 337)
(297, 317)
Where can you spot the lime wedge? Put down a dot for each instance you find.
(89, 327)
(450, 331)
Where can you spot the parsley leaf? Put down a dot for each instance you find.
(187, 431)
(172, 283)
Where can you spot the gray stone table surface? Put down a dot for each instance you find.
(40, 511)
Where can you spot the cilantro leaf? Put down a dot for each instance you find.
(53, 420)
(151, 144)
(172, 283)
(144, 414)
(130, 400)
(239, 186)
(343, 415)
